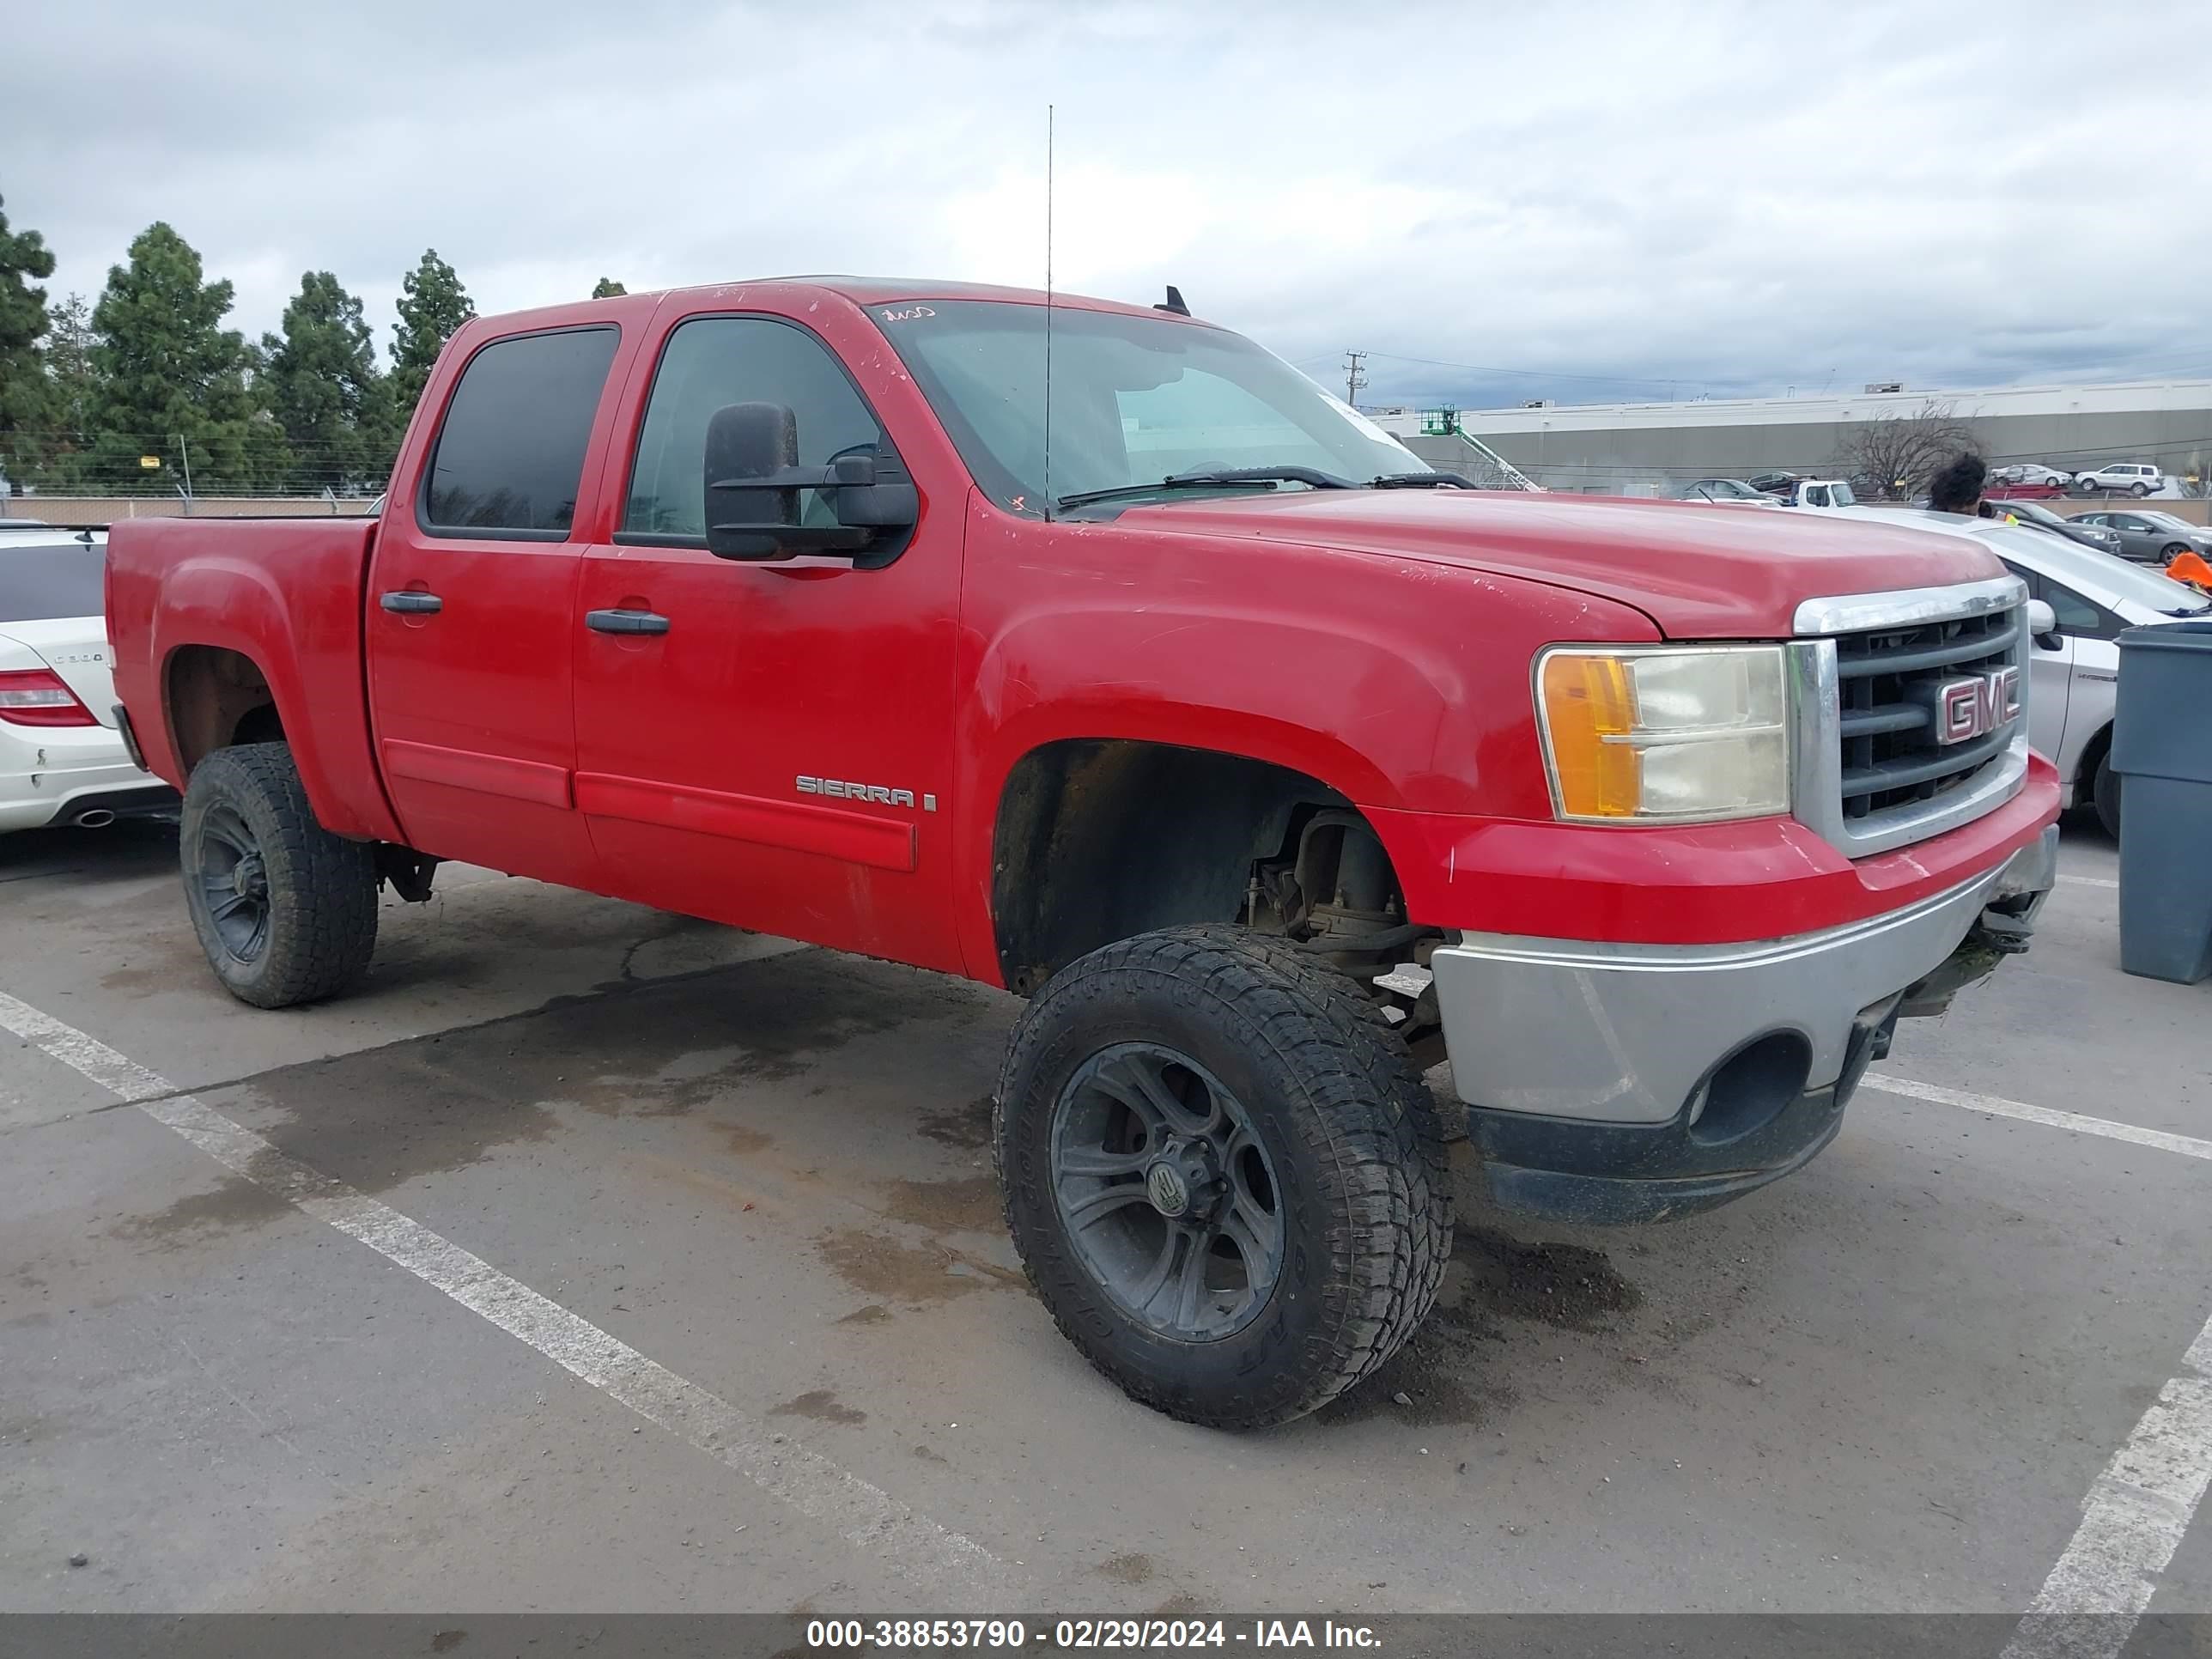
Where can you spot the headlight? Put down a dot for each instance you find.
(1665, 734)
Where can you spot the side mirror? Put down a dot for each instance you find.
(754, 481)
(751, 512)
(872, 490)
(2043, 624)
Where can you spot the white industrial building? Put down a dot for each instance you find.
(1645, 449)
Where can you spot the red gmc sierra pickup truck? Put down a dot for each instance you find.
(1270, 766)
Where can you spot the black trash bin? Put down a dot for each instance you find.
(2162, 746)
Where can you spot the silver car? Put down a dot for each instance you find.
(2150, 536)
(2030, 472)
(2074, 670)
(1725, 492)
(2138, 478)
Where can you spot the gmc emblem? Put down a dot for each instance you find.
(1973, 707)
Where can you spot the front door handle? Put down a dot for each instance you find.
(625, 622)
(412, 602)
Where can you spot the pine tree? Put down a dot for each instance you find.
(172, 382)
(322, 384)
(606, 288)
(69, 360)
(69, 367)
(27, 411)
(432, 305)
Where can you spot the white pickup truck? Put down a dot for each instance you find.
(1827, 493)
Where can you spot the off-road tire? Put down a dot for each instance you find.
(1350, 1129)
(322, 888)
(2105, 794)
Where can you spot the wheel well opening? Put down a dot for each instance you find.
(2085, 777)
(217, 698)
(1098, 840)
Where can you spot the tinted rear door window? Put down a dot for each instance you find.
(50, 580)
(510, 456)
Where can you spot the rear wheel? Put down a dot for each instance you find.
(285, 910)
(2138, 489)
(2105, 794)
(1223, 1174)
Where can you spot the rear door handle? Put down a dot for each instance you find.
(625, 622)
(412, 602)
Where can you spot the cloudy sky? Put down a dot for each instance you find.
(1497, 202)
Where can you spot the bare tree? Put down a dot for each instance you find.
(1893, 456)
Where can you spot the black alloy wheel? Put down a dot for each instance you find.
(234, 881)
(1166, 1192)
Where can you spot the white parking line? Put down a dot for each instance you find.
(2134, 1518)
(2139, 1508)
(2187, 1146)
(2088, 881)
(950, 1565)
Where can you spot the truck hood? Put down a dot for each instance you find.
(1697, 571)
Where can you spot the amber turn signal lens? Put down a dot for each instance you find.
(1587, 700)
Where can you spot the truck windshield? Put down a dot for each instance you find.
(1134, 400)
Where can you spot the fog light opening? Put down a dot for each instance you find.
(1746, 1090)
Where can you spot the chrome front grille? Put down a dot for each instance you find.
(1871, 773)
(1891, 756)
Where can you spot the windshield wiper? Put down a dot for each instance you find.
(1423, 481)
(1255, 477)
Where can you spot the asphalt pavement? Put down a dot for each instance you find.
(595, 1259)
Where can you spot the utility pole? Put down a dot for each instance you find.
(1355, 376)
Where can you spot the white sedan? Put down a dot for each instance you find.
(2074, 668)
(2030, 472)
(62, 760)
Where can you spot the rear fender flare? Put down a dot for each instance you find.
(233, 604)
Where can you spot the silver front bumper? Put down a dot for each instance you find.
(1624, 1033)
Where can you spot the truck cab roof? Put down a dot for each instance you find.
(778, 292)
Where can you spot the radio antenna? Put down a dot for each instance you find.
(1047, 312)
